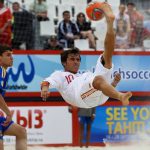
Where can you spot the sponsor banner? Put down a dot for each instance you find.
(121, 124)
(45, 125)
(28, 72)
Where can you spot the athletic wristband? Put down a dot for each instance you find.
(44, 83)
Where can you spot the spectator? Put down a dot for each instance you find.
(53, 44)
(5, 25)
(85, 29)
(122, 28)
(122, 36)
(139, 34)
(67, 31)
(39, 7)
(16, 7)
(135, 16)
(22, 30)
(123, 16)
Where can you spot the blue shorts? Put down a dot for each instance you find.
(85, 120)
(3, 128)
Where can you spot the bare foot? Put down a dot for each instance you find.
(106, 8)
(124, 98)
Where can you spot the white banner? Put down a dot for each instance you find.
(44, 125)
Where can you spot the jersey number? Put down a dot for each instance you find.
(69, 78)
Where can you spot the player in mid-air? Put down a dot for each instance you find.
(88, 89)
(7, 126)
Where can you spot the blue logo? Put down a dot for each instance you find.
(27, 77)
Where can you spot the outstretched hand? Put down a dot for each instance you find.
(116, 79)
(44, 94)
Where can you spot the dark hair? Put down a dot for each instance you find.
(53, 37)
(64, 54)
(81, 14)
(131, 4)
(4, 49)
(14, 3)
(2, 1)
(124, 25)
(66, 12)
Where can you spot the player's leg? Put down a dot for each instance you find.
(1, 139)
(1, 144)
(81, 131)
(21, 136)
(101, 84)
(88, 132)
(109, 42)
(2, 119)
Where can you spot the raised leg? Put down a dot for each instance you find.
(99, 83)
(109, 42)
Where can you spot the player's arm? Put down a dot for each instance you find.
(116, 79)
(5, 26)
(45, 90)
(5, 109)
(8, 23)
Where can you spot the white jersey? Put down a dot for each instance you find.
(77, 89)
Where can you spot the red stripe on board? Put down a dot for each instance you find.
(29, 94)
(38, 94)
(132, 103)
(37, 103)
(55, 52)
(116, 53)
(141, 93)
(131, 53)
(108, 103)
(36, 52)
(62, 145)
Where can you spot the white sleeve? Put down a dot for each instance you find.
(54, 79)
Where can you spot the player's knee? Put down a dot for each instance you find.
(98, 81)
(22, 132)
(1, 145)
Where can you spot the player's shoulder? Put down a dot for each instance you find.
(57, 72)
(61, 72)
